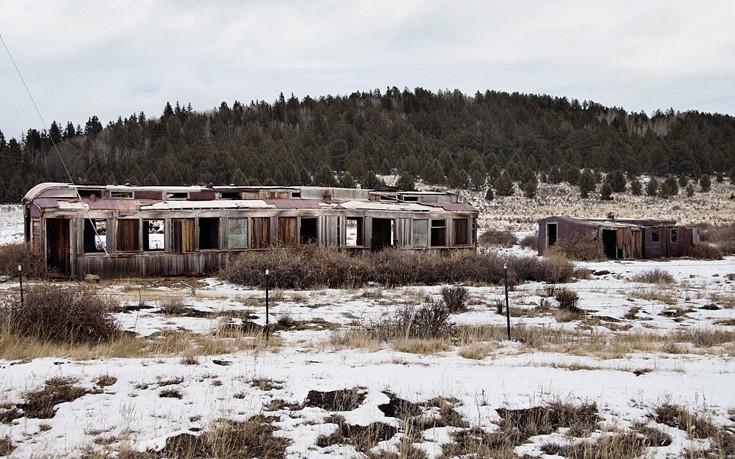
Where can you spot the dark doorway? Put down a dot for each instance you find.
(551, 234)
(382, 233)
(58, 245)
(610, 243)
(307, 233)
(208, 233)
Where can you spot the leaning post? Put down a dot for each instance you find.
(20, 280)
(507, 304)
(267, 328)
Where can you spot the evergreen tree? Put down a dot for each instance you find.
(705, 184)
(530, 187)
(504, 185)
(669, 187)
(636, 187)
(405, 182)
(683, 180)
(587, 184)
(690, 190)
(489, 195)
(606, 191)
(616, 179)
(652, 187)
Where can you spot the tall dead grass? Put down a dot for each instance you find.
(12, 255)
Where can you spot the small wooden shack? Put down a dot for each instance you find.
(116, 231)
(621, 238)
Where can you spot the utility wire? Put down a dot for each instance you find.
(53, 143)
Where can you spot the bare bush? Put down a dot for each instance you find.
(654, 276)
(40, 403)
(61, 314)
(455, 298)
(722, 236)
(423, 322)
(497, 238)
(530, 241)
(12, 255)
(309, 267)
(579, 247)
(567, 299)
(703, 251)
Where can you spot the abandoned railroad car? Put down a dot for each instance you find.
(117, 231)
(621, 238)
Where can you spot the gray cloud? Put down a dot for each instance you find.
(113, 59)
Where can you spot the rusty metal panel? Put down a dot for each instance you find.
(206, 195)
(287, 234)
(149, 195)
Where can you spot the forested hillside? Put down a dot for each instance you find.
(445, 138)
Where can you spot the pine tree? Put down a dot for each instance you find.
(636, 187)
(504, 185)
(690, 190)
(530, 187)
(606, 191)
(705, 184)
(669, 187)
(405, 182)
(652, 187)
(489, 196)
(587, 184)
(616, 179)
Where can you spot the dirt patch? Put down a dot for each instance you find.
(40, 404)
(336, 400)
(363, 438)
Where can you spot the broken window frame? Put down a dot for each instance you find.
(438, 236)
(655, 235)
(208, 232)
(674, 235)
(94, 235)
(147, 224)
(358, 223)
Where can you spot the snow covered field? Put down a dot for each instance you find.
(633, 348)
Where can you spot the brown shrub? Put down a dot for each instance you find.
(579, 247)
(654, 276)
(6, 446)
(40, 403)
(722, 236)
(497, 238)
(12, 255)
(567, 299)
(703, 251)
(61, 314)
(455, 298)
(530, 241)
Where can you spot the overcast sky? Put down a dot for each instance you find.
(110, 59)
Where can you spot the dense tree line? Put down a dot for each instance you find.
(446, 138)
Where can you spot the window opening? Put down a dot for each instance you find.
(655, 235)
(95, 235)
(551, 234)
(308, 231)
(674, 235)
(154, 236)
(438, 233)
(382, 233)
(354, 229)
(208, 233)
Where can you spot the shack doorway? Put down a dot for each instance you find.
(307, 233)
(382, 234)
(610, 243)
(58, 245)
(551, 234)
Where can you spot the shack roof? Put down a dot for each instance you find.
(610, 222)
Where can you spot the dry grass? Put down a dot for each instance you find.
(497, 238)
(654, 276)
(477, 351)
(424, 346)
(12, 255)
(656, 295)
(578, 247)
(40, 403)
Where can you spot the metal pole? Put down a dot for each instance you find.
(20, 278)
(267, 329)
(507, 304)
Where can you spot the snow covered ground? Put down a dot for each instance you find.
(604, 355)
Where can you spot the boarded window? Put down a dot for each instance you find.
(459, 231)
(421, 233)
(95, 239)
(308, 231)
(127, 235)
(153, 234)
(208, 233)
(287, 231)
(261, 234)
(183, 235)
(354, 229)
(237, 233)
(655, 235)
(438, 233)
